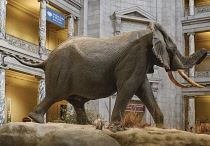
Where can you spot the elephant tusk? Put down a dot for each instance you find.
(170, 75)
(188, 79)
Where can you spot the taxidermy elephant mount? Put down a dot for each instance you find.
(82, 69)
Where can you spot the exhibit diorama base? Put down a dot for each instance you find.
(54, 134)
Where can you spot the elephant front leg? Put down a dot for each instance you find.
(120, 105)
(146, 95)
(124, 95)
(79, 108)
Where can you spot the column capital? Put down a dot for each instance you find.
(191, 97)
(47, 1)
(191, 33)
(71, 16)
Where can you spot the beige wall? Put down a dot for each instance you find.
(21, 25)
(23, 93)
(202, 108)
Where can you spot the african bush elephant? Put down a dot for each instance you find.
(82, 69)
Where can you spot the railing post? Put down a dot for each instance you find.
(191, 7)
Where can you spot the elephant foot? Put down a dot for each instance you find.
(116, 127)
(160, 125)
(36, 117)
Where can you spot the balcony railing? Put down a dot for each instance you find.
(24, 44)
(202, 74)
(199, 9)
(21, 43)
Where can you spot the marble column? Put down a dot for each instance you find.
(117, 25)
(42, 26)
(41, 92)
(2, 96)
(191, 114)
(2, 18)
(191, 7)
(191, 51)
(71, 19)
(41, 89)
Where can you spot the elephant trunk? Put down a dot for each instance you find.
(178, 62)
(186, 62)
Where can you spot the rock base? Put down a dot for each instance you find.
(54, 134)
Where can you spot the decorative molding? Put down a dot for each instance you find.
(134, 13)
(21, 43)
(195, 24)
(202, 9)
(199, 10)
(74, 3)
(131, 14)
(195, 21)
(202, 74)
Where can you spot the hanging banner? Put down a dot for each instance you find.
(55, 17)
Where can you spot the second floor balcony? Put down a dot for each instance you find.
(199, 10)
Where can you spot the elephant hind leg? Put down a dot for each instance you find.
(38, 112)
(145, 94)
(79, 108)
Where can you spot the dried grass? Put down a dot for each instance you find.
(203, 128)
(133, 119)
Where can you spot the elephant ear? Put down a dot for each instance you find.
(159, 45)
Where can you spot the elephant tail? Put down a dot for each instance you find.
(40, 65)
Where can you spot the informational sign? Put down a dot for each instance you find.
(55, 17)
(135, 108)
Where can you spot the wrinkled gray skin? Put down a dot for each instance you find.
(83, 69)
